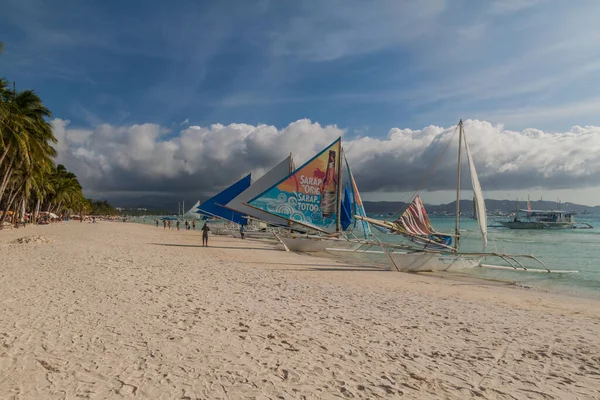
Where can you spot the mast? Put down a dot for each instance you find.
(457, 228)
(338, 222)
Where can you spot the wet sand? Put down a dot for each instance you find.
(114, 310)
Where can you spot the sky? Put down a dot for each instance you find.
(157, 101)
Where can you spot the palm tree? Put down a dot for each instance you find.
(26, 150)
(67, 190)
(24, 131)
(29, 178)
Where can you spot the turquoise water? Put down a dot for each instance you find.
(568, 249)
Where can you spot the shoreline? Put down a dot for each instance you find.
(114, 309)
(549, 283)
(457, 278)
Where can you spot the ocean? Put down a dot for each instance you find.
(567, 249)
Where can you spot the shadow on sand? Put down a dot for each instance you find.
(323, 267)
(342, 269)
(213, 247)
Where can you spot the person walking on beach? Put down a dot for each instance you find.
(193, 225)
(156, 223)
(187, 225)
(169, 223)
(205, 230)
(177, 224)
(164, 224)
(242, 231)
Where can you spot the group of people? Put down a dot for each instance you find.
(205, 229)
(167, 223)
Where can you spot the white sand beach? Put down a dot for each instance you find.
(114, 310)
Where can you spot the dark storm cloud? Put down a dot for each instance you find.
(130, 162)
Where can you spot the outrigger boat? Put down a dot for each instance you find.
(425, 249)
(321, 198)
(227, 206)
(537, 219)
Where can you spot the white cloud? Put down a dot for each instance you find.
(202, 160)
(199, 159)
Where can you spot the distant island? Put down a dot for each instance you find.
(492, 206)
(386, 207)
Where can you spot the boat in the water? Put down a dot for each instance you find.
(538, 219)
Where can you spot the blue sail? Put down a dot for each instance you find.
(358, 207)
(347, 215)
(214, 205)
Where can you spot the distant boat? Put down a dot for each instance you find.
(537, 219)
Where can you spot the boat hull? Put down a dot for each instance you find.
(302, 244)
(536, 225)
(409, 262)
(426, 262)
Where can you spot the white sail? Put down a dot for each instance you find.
(192, 213)
(273, 176)
(478, 196)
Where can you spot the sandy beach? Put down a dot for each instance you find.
(114, 310)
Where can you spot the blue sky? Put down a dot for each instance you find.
(365, 66)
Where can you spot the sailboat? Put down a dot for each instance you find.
(192, 212)
(212, 207)
(269, 226)
(321, 196)
(228, 205)
(429, 250)
(543, 219)
(274, 175)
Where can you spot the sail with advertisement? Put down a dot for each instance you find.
(309, 195)
(321, 195)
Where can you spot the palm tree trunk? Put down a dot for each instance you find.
(7, 175)
(36, 212)
(4, 153)
(15, 214)
(10, 193)
(11, 199)
(22, 207)
(57, 208)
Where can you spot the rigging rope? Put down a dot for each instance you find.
(429, 173)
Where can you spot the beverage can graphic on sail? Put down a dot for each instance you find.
(356, 207)
(308, 196)
(329, 188)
